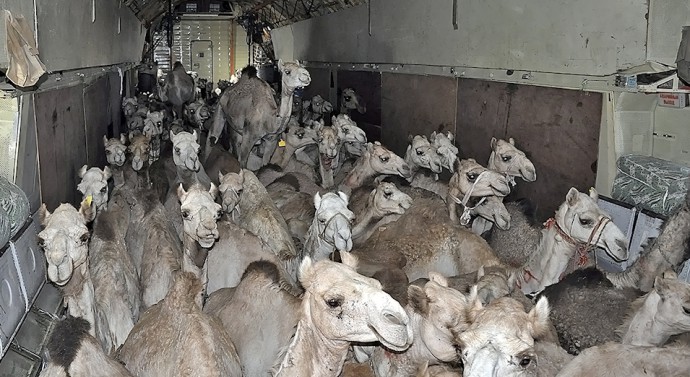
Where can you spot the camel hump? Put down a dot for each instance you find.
(250, 71)
(66, 339)
(263, 268)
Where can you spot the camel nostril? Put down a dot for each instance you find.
(390, 317)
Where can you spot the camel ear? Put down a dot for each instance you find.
(181, 193)
(241, 175)
(438, 279)
(107, 173)
(670, 274)
(661, 286)
(539, 318)
(306, 272)
(572, 197)
(512, 279)
(172, 135)
(317, 200)
(82, 171)
(220, 176)
(87, 210)
(418, 300)
(593, 194)
(131, 135)
(123, 139)
(213, 191)
(334, 120)
(297, 62)
(493, 143)
(343, 196)
(433, 135)
(349, 259)
(43, 214)
(410, 138)
(480, 273)
(196, 136)
(280, 64)
(450, 136)
(105, 140)
(511, 141)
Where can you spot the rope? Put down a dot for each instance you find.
(466, 217)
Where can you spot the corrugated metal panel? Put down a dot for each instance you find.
(216, 31)
(241, 48)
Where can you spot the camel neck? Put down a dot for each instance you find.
(547, 263)
(310, 353)
(326, 174)
(194, 251)
(79, 295)
(365, 219)
(359, 173)
(646, 328)
(316, 247)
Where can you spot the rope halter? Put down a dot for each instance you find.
(465, 218)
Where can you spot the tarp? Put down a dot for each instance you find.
(25, 67)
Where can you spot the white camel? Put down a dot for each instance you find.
(331, 228)
(94, 184)
(507, 159)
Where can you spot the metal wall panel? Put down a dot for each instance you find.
(216, 31)
(368, 86)
(61, 143)
(97, 120)
(115, 82)
(27, 156)
(18, 8)
(414, 104)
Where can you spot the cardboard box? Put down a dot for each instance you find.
(678, 100)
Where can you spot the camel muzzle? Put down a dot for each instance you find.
(529, 174)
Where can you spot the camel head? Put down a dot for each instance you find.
(115, 150)
(231, 186)
(186, 150)
(65, 238)
(153, 124)
(329, 147)
(492, 209)
(200, 213)
(298, 137)
(507, 159)
(350, 100)
(387, 199)
(445, 148)
(353, 138)
(139, 147)
(320, 105)
(672, 304)
(500, 339)
(129, 106)
(94, 183)
(333, 220)
(493, 283)
(342, 305)
(384, 162)
(439, 313)
(421, 154)
(176, 126)
(135, 123)
(581, 219)
(198, 112)
(294, 75)
(472, 179)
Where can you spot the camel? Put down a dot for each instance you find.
(338, 307)
(354, 140)
(384, 200)
(153, 128)
(445, 147)
(139, 148)
(624, 360)
(350, 100)
(542, 256)
(94, 184)
(437, 315)
(315, 109)
(505, 158)
(295, 138)
(425, 370)
(329, 149)
(178, 89)
(72, 352)
(129, 106)
(247, 204)
(197, 113)
(220, 161)
(471, 180)
(376, 160)
(501, 341)
(252, 113)
(65, 242)
(116, 156)
(331, 228)
(421, 154)
(175, 338)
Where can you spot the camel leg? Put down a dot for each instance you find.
(452, 210)
(270, 144)
(244, 150)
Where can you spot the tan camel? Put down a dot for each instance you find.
(198, 113)
(329, 150)
(578, 225)
(72, 352)
(331, 228)
(175, 338)
(625, 360)
(295, 138)
(116, 156)
(139, 148)
(658, 315)
(339, 306)
(129, 106)
(350, 100)
(94, 184)
(247, 204)
(421, 154)
(437, 315)
(354, 139)
(252, 113)
(383, 206)
(376, 160)
(445, 147)
(505, 158)
(471, 180)
(500, 341)
(220, 161)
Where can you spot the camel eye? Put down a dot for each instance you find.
(333, 302)
(525, 361)
(686, 310)
(41, 242)
(219, 214)
(322, 220)
(185, 214)
(585, 222)
(506, 158)
(384, 158)
(177, 150)
(346, 130)
(471, 177)
(104, 190)
(107, 151)
(84, 238)
(287, 71)
(387, 194)
(191, 111)
(420, 152)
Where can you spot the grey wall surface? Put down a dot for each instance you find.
(17, 8)
(67, 39)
